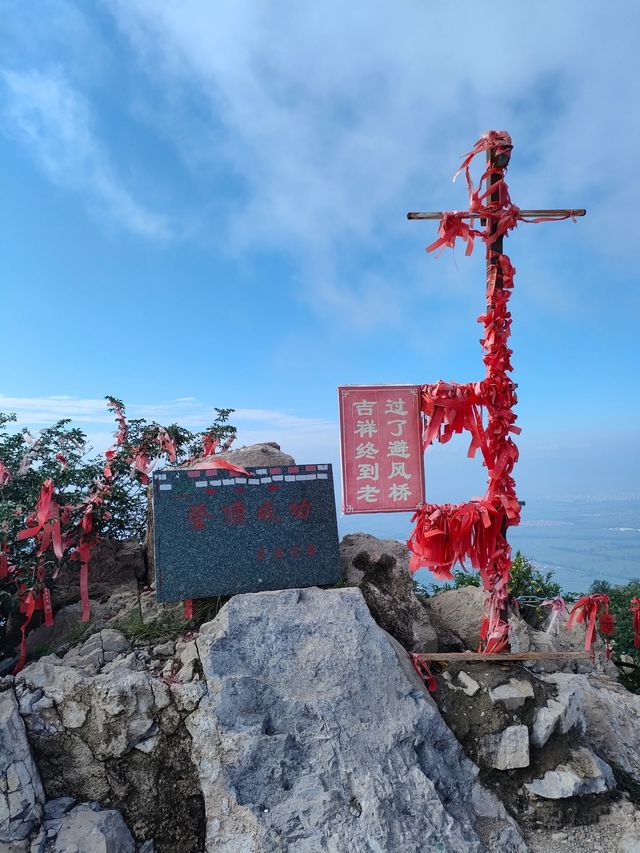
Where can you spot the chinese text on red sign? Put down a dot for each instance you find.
(382, 469)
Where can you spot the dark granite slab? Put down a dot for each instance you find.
(216, 533)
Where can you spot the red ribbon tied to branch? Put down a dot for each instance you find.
(5, 474)
(635, 609)
(586, 610)
(46, 525)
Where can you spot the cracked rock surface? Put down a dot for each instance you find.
(21, 793)
(313, 737)
(105, 728)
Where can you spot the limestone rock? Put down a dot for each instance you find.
(466, 684)
(85, 828)
(583, 773)
(165, 650)
(67, 622)
(266, 453)
(115, 737)
(21, 793)
(612, 720)
(512, 693)
(381, 569)
(508, 749)
(312, 737)
(562, 713)
(461, 610)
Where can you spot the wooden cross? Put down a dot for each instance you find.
(499, 158)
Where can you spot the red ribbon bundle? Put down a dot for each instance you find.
(635, 609)
(586, 610)
(451, 227)
(475, 530)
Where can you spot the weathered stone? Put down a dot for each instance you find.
(67, 623)
(562, 713)
(266, 453)
(466, 684)
(55, 809)
(495, 825)
(114, 563)
(381, 569)
(165, 650)
(312, 735)
(85, 829)
(187, 696)
(21, 793)
(506, 750)
(611, 718)
(512, 694)
(115, 737)
(461, 611)
(583, 773)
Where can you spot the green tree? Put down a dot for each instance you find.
(622, 642)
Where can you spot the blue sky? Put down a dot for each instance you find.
(203, 204)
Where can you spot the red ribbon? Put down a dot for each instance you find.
(452, 227)
(586, 610)
(635, 609)
(29, 609)
(5, 474)
(424, 672)
(475, 531)
(188, 609)
(46, 524)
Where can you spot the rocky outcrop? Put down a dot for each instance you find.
(106, 724)
(381, 569)
(266, 453)
(312, 737)
(293, 722)
(21, 793)
(610, 717)
(581, 773)
(114, 563)
(460, 610)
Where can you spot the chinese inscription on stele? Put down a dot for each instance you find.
(380, 431)
(217, 533)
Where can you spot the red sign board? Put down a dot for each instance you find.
(380, 431)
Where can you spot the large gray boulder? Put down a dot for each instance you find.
(460, 611)
(266, 453)
(380, 567)
(313, 737)
(21, 793)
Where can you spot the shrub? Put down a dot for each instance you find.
(622, 642)
(57, 497)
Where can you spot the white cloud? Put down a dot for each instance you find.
(53, 120)
(307, 439)
(333, 119)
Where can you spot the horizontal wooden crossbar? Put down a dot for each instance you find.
(501, 657)
(465, 214)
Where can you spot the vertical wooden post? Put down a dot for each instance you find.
(494, 250)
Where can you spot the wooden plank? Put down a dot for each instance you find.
(560, 213)
(502, 657)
